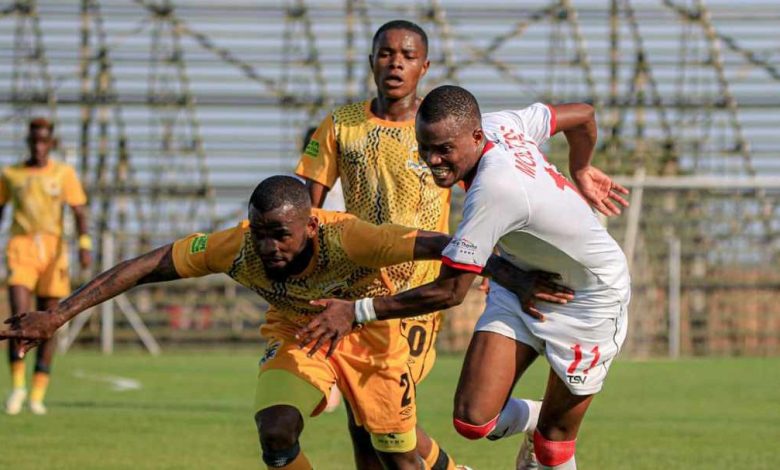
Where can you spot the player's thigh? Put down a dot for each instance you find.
(20, 298)
(287, 376)
(23, 262)
(420, 333)
(491, 367)
(500, 351)
(374, 377)
(55, 277)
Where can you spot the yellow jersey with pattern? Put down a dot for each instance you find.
(38, 195)
(348, 256)
(383, 177)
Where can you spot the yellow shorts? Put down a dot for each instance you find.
(421, 333)
(39, 263)
(369, 366)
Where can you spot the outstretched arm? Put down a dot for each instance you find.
(155, 266)
(448, 290)
(577, 121)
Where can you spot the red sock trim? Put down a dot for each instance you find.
(473, 431)
(552, 453)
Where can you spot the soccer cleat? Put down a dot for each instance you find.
(37, 408)
(526, 458)
(13, 405)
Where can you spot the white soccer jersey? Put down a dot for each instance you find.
(520, 203)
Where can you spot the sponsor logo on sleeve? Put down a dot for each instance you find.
(312, 149)
(198, 244)
(464, 247)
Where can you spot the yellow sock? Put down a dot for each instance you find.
(300, 463)
(40, 383)
(17, 374)
(432, 460)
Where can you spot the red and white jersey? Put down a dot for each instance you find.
(519, 202)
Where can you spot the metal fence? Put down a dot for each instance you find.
(173, 110)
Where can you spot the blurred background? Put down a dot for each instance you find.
(173, 111)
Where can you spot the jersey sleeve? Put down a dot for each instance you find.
(201, 254)
(488, 214)
(378, 246)
(319, 161)
(72, 189)
(537, 121)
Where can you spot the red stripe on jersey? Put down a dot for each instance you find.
(553, 120)
(472, 268)
(468, 179)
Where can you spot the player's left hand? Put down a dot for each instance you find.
(85, 258)
(31, 329)
(332, 324)
(599, 190)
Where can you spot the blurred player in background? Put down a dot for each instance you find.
(370, 147)
(37, 254)
(290, 255)
(516, 200)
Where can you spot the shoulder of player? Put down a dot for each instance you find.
(495, 179)
(328, 217)
(349, 112)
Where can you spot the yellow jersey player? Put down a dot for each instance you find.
(291, 255)
(37, 255)
(371, 148)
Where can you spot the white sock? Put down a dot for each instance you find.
(568, 465)
(516, 417)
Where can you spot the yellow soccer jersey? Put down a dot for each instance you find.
(346, 264)
(383, 177)
(38, 195)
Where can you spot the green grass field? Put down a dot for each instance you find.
(194, 411)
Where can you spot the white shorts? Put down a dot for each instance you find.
(579, 346)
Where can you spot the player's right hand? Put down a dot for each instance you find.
(542, 286)
(332, 324)
(31, 328)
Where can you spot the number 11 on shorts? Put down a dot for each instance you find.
(578, 358)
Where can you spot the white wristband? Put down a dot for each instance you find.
(364, 310)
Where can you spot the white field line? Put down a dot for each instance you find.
(118, 384)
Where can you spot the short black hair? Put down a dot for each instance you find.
(400, 24)
(446, 101)
(276, 191)
(41, 123)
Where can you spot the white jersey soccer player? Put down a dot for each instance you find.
(518, 202)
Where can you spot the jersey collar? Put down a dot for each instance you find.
(469, 178)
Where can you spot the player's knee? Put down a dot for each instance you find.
(395, 442)
(469, 430)
(278, 427)
(276, 458)
(552, 453)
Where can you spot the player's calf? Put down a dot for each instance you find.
(397, 450)
(278, 428)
